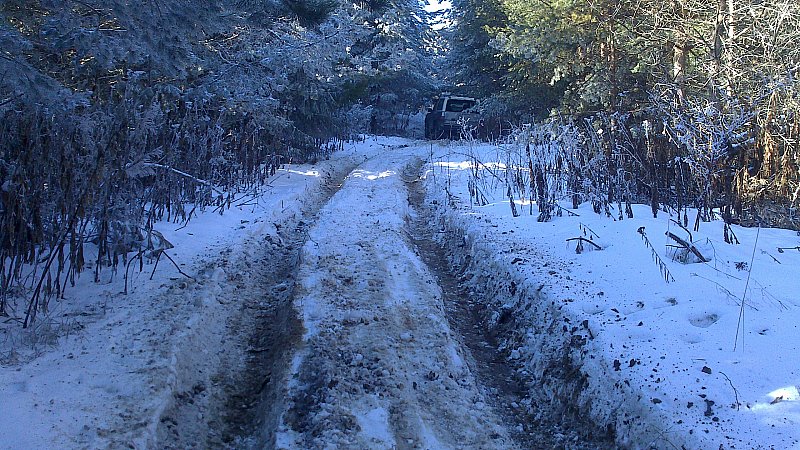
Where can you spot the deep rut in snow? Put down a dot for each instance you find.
(234, 399)
(532, 427)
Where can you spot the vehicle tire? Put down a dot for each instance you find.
(429, 126)
(432, 131)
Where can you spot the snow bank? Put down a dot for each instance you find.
(611, 340)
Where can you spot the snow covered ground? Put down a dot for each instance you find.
(101, 368)
(665, 364)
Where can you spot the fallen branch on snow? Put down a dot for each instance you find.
(569, 213)
(687, 246)
(581, 240)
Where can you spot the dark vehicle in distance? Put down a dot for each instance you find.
(451, 115)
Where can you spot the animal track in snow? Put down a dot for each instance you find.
(704, 320)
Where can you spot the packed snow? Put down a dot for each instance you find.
(662, 348)
(378, 351)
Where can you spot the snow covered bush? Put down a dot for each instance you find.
(614, 160)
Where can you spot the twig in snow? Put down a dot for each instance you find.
(764, 252)
(722, 272)
(184, 174)
(10, 99)
(584, 229)
(735, 392)
(155, 266)
(177, 267)
(88, 6)
(663, 435)
(569, 213)
(691, 239)
(724, 289)
(127, 267)
(766, 295)
(583, 239)
(188, 218)
(481, 165)
(740, 323)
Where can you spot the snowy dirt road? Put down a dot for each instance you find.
(324, 315)
(379, 366)
(382, 363)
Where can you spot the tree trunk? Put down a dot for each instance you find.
(679, 62)
(718, 49)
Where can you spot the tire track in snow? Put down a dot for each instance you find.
(379, 366)
(519, 405)
(233, 399)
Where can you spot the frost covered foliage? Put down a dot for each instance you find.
(716, 82)
(117, 114)
(391, 63)
(615, 160)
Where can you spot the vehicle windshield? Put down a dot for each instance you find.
(454, 105)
